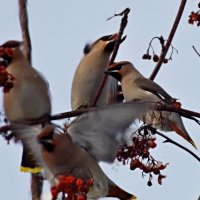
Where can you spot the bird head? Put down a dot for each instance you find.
(10, 50)
(45, 138)
(119, 69)
(105, 44)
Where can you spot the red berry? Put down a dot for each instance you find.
(165, 61)
(156, 171)
(70, 179)
(90, 182)
(79, 182)
(152, 144)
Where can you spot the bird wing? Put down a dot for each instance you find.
(150, 86)
(100, 132)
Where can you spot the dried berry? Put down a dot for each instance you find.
(165, 61)
(149, 183)
(155, 58)
(146, 56)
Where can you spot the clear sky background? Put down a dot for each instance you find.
(59, 30)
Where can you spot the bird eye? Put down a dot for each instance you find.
(87, 49)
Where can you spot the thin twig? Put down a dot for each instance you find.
(177, 144)
(169, 40)
(196, 50)
(23, 17)
(123, 24)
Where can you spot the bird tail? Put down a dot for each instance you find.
(28, 163)
(180, 130)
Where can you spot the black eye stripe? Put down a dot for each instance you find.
(106, 38)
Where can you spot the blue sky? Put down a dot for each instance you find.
(59, 31)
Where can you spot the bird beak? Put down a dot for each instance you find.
(113, 70)
(111, 42)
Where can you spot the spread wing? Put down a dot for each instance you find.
(100, 132)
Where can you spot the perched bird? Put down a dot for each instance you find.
(28, 99)
(88, 76)
(90, 72)
(136, 86)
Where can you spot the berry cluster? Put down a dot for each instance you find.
(194, 17)
(154, 56)
(139, 154)
(71, 188)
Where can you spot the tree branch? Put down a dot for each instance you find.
(36, 180)
(23, 17)
(169, 40)
(123, 24)
(178, 145)
(154, 106)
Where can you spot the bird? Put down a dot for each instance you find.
(62, 157)
(136, 86)
(79, 149)
(89, 74)
(28, 99)
(88, 77)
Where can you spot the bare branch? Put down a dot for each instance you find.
(178, 145)
(169, 40)
(23, 17)
(123, 24)
(155, 106)
(196, 50)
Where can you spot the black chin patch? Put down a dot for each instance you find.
(115, 75)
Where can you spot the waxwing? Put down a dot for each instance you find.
(28, 99)
(90, 72)
(136, 86)
(61, 157)
(93, 136)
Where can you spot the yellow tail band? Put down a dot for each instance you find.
(34, 170)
